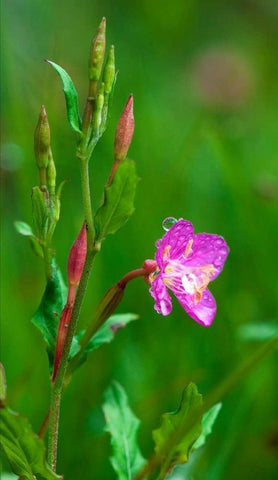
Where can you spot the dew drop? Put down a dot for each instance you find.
(168, 223)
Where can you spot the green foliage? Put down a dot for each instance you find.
(258, 332)
(122, 425)
(118, 204)
(207, 423)
(23, 228)
(47, 316)
(70, 96)
(24, 450)
(108, 330)
(179, 451)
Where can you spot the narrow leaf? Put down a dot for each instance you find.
(118, 204)
(24, 450)
(47, 316)
(172, 423)
(207, 423)
(122, 425)
(70, 96)
(23, 228)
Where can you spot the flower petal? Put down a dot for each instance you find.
(158, 291)
(204, 311)
(174, 242)
(208, 249)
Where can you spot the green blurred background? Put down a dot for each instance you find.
(204, 75)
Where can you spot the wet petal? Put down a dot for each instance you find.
(158, 291)
(174, 242)
(208, 249)
(203, 312)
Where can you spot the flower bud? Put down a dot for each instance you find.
(109, 71)
(51, 175)
(124, 131)
(61, 337)
(42, 142)
(97, 52)
(98, 108)
(39, 209)
(77, 257)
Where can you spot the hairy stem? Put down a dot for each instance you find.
(57, 386)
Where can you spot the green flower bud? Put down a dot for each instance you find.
(97, 52)
(98, 108)
(51, 175)
(109, 71)
(40, 213)
(42, 142)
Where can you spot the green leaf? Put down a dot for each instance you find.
(258, 332)
(24, 450)
(173, 422)
(23, 228)
(70, 96)
(108, 330)
(122, 425)
(118, 204)
(207, 423)
(47, 316)
(3, 385)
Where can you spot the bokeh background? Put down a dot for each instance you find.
(204, 76)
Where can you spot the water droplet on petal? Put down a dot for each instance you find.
(168, 223)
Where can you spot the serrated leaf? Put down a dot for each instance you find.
(23, 228)
(171, 423)
(24, 450)
(47, 316)
(122, 425)
(70, 96)
(118, 204)
(207, 423)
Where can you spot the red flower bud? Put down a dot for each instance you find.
(77, 257)
(124, 131)
(61, 337)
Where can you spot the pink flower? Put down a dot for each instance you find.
(186, 263)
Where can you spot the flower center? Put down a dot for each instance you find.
(188, 279)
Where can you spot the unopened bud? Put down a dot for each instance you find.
(77, 257)
(109, 71)
(39, 208)
(61, 337)
(42, 140)
(97, 52)
(124, 131)
(51, 175)
(98, 108)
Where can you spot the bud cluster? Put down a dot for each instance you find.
(45, 200)
(101, 81)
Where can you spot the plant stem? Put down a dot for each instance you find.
(57, 386)
(59, 381)
(86, 195)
